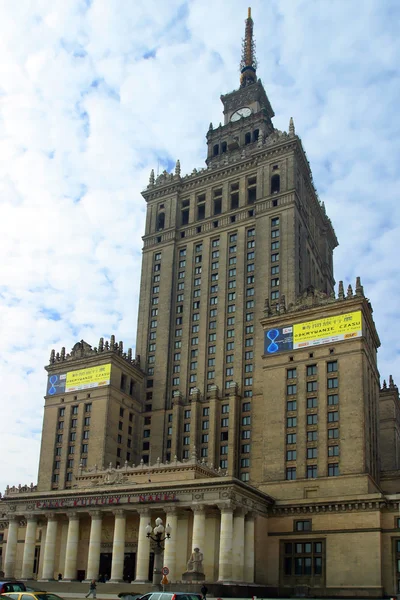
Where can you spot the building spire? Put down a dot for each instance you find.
(248, 63)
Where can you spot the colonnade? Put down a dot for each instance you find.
(235, 556)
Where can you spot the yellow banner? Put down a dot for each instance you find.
(88, 378)
(325, 331)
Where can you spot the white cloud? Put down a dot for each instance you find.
(84, 117)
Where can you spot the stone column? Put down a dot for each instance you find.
(199, 527)
(118, 551)
(29, 547)
(249, 548)
(71, 550)
(11, 547)
(50, 548)
(143, 553)
(170, 543)
(93, 563)
(225, 544)
(238, 545)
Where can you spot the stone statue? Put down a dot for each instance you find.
(195, 563)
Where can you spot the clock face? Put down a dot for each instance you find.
(241, 112)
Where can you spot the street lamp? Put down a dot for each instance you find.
(160, 534)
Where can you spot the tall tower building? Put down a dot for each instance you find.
(245, 231)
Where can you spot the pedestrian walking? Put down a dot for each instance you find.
(92, 589)
(204, 591)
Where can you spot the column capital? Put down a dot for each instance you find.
(73, 515)
(241, 511)
(119, 512)
(171, 510)
(226, 507)
(250, 516)
(31, 517)
(13, 518)
(199, 508)
(144, 512)
(96, 514)
(50, 516)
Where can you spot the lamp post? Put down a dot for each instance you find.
(160, 534)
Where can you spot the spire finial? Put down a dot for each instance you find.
(291, 127)
(248, 63)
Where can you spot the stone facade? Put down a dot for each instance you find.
(251, 420)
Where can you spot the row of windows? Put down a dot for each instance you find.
(331, 367)
(312, 453)
(312, 386)
(333, 400)
(312, 436)
(312, 471)
(75, 408)
(332, 417)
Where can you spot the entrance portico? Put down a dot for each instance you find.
(213, 513)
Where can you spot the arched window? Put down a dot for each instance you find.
(275, 184)
(223, 147)
(160, 221)
(216, 150)
(247, 138)
(255, 135)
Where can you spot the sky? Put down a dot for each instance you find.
(96, 93)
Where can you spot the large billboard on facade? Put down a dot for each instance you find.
(81, 379)
(314, 333)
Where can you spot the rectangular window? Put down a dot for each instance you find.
(312, 419)
(333, 433)
(291, 455)
(333, 383)
(311, 472)
(246, 434)
(333, 450)
(291, 438)
(204, 438)
(312, 386)
(275, 245)
(332, 367)
(275, 257)
(333, 399)
(291, 405)
(311, 452)
(291, 422)
(291, 473)
(312, 402)
(205, 425)
(225, 422)
(291, 389)
(333, 469)
(275, 270)
(333, 417)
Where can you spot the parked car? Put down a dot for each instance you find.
(171, 596)
(31, 595)
(129, 596)
(12, 586)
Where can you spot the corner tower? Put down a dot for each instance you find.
(246, 228)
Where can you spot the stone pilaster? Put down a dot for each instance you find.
(71, 550)
(117, 565)
(50, 548)
(94, 546)
(170, 543)
(238, 545)
(225, 544)
(249, 548)
(199, 527)
(29, 547)
(143, 553)
(11, 547)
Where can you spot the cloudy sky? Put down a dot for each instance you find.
(95, 93)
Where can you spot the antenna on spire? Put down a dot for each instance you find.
(248, 63)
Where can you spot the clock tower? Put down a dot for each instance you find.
(246, 109)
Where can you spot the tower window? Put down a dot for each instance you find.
(216, 150)
(223, 147)
(201, 211)
(217, 206)
(247, 138)
(256, 133)
(275, 184)
(160, 221)
(251, 189)
(185, 216)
